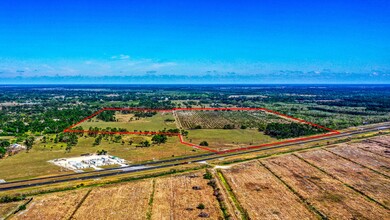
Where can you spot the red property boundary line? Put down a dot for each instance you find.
(331, 132)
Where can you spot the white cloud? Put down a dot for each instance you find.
(121, 57)
(124, 65)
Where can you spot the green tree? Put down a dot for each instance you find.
(2, 151)
(68, 147)
(204, 143)
(98, 140)
(29, 142)
(159, 139)
(4, 144)
(200, 206)
(207, 175)
(145, 144)
(184, 132)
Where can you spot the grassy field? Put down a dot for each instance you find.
(154, 123)
(33, 164)
(228, 138)
(6, 137)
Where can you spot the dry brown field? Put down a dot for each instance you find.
(174, 198)
(374, 148)
(370, 183)
(52, 206)
(383, 139)
(324, 193)
(263, 195)
(123, 201)
(123, 117)
(368, 159)
(7, 208)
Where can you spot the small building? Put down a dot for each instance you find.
(15, 148)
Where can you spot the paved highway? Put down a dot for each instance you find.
(153, 165)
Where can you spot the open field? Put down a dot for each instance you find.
(325, 194)
(6, 137)
(174, 198)
(383, 139)
(228, 138)
(8, 208)
(375, 148)
(218, 119)
(370, 183)
(260, 193)
(368, 159)
(123, 201)
(306, 191)
(35, 163)
(52, 206)
(155, 123)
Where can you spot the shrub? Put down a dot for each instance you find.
(204, 143)
(207, 175)
(200, 206)
(198, 127)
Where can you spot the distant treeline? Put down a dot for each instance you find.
(281, 131)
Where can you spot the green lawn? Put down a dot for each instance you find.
(6, 137)
(155, 123)
(222, 139)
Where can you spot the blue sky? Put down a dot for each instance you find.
(273, 41)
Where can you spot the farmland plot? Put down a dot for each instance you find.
(175, 198)
(374, 148)
(124, 201)
(219, 119)
(370, 183)
(155, 123)
(52, 206)
(327, 195)
(8, 208)
(204, 119)
(373, 161)
(260, 193)
(383, 139)
(223, 139)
